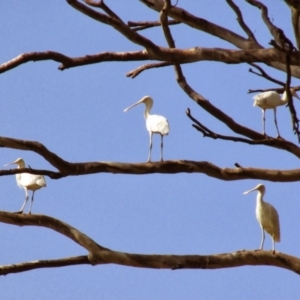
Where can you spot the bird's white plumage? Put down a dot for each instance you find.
(270, 100)
(157, 124)
(154, 123)
(28, 181)
(266, 215)
(267, 100)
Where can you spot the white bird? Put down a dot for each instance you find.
(28, 181)
(271, 99)
(154, 123)
(267, 216)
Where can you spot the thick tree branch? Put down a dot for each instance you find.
(173, 167)
(187, 18)
(169, 55)
(181, 15)
(100, 255)
(166, 167)
(117, 24)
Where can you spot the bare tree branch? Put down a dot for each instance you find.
(101, 255)
(103, 6)
(264, 74)
(137, 26)
(71, 62)
(278, 34)
(241, 21)
(39, 264)
(209, 133)
(295, 120)
(137, 71)
(187, 18)
(295, 10)
(166, 167)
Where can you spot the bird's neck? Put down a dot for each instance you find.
(147, 110)
(284, 98)
(259, 198)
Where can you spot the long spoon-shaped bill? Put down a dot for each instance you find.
(247, 192)
(133, 105)
(12, 163)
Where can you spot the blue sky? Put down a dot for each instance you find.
(78, 114)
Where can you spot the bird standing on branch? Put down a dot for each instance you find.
(267, 216)
(154, 123)
(28, 181)
(271, 99)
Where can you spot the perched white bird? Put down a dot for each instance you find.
(154, 123)
(267, 216)
(28, 181)
(271, 99)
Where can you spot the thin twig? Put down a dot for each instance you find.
(137, 71)
(264, 74)
(145, 25)
(103, 6)
(209, 133)
(241, 21)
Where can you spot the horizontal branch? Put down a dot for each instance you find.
(142, 25)
(166, 55)
(168, 167)
(213, 29)
(100, 255)
(46, 263)
(71, 62)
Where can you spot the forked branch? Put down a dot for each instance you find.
(101, 255)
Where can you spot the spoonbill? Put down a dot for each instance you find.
(271, 99)
(267, 216)
(154, 123)
(27, 181)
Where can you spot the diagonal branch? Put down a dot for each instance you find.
(137, 71)
(209, 133)
(264, 13)
(241, 21)
(187, 18)
(295, 120)
(181, 15)
(116, 24)
(103, 6)
(295, 11)
(264, 74)
(100, 255)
